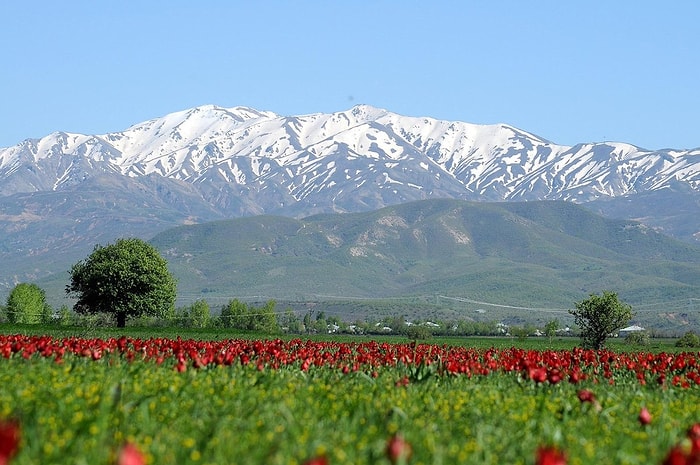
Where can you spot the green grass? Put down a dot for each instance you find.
(82, 412)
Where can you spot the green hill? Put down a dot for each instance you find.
(509, 258)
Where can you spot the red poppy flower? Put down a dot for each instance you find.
(130, 455)
(538, 375)
(694, 431)
(694, 436)
(398, 450)
(320, 460)
(9, 440)
(584, 395)
(550, 456)
(644, 416)
(676, 456)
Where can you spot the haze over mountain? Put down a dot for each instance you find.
(62, 194)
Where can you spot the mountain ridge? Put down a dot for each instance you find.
(244, 146)
(62, 194)
(545, 254)
(248, 162)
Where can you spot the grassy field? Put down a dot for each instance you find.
(536, 343)
(80, 399)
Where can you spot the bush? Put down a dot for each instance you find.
(418, 332)
(637, 338)
(689, 339)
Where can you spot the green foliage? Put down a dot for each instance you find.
(521, 332)
(637, 338)
(550, 329)
(418, 332)
(234, 315)
(27, 304)
(126, 279)
(599, 316)
(689, 339)
(461, 420)
(543, 254)
(290, 322)
(239, 315)
(199, 315)
(476, 328)
(65, 317)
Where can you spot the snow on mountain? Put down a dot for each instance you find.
(356, 159)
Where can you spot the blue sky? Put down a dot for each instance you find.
(567, 71)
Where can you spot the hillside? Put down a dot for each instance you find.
(517, 256)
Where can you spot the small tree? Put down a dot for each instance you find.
(64, 316)
(689, 339)
(290, 322)
(550, 329)
(599, 316)
(27, 304)
(127, 279)
(200, 316)
(637, 338)
(266, 320)
(234, 315)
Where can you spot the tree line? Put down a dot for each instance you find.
(130, 280)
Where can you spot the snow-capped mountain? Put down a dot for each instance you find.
(62, 194)
(357, 159)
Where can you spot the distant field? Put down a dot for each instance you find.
(534, 343)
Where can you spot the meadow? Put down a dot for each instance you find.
(241, 400)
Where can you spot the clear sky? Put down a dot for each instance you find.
(570, 72)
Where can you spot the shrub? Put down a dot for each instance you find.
(418, 332)
(637, 338)
(689, 339)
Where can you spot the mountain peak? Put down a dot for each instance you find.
(360, 158)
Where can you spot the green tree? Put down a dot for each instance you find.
(27, 304)
(234, 315)
(307, 322)
(689, 339)
(289, 322)
(265, 318)
(181, 317)
(637, 338)
(200, 317)
(64, 316)
(550, 329)
(599, 316)
(126, 279)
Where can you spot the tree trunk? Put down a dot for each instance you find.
(121, 319)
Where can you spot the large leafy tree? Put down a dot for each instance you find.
(127, 279)
(599, 316)
(27, 304)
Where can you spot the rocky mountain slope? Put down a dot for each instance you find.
(335, 161)
(61, 194)
(528, 257)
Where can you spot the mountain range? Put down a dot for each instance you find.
(528, 257)
(62, 194)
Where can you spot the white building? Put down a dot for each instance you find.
(630, 329)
